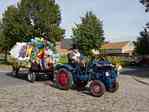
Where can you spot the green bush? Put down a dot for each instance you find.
(117, 60)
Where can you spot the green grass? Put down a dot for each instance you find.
(116, 60)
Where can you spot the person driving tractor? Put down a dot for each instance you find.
(75, 57)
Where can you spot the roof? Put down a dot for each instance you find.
(114, 45)
(66, 43)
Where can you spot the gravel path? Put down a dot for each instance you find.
(39, 97)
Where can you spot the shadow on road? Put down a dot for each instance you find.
(18, 76)
(23, 76)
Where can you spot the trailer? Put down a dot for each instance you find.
(37, 57)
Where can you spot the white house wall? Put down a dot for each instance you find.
(129, 47)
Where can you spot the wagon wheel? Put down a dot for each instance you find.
(80, 85)
(114, 87)
(97, 88)
(15, 71)
(31, 76)
(64, 79)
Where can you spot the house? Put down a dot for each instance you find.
(125, 48)
(64, 45)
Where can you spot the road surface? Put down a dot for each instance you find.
(21, 96)
(7, 80)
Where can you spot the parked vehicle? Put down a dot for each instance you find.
(100, 75)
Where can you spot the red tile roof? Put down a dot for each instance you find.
(114, 45)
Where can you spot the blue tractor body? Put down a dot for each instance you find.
(105, 72)
(99, 71)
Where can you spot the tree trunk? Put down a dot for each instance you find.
(5, 58)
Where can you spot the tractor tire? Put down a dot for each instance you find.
(31, 76)
(114, 88)
(97, 88)
(63, 79)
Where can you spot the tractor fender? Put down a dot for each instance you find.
(66, 66)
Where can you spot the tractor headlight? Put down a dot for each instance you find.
(107, 74)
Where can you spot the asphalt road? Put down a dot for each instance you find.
(7, 80)
(131, 96)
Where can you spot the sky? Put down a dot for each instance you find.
(122, 19)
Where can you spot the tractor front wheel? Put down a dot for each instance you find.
(64, 79)
(114, 87)
(97, 88)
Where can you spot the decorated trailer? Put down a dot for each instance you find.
(37, 56)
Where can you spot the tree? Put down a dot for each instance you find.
(89, 33)
(1, 37)
(146, 4)
(10, 27)
(142, 44)
(31, 18)
(41, 18)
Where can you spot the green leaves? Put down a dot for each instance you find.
(10, 26)
(142, 44)
(31, 18)
(146, 4)
(89, 33)
(44, 17)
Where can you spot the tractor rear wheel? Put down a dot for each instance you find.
(114, 87)
(97, 88)
(64, 79)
